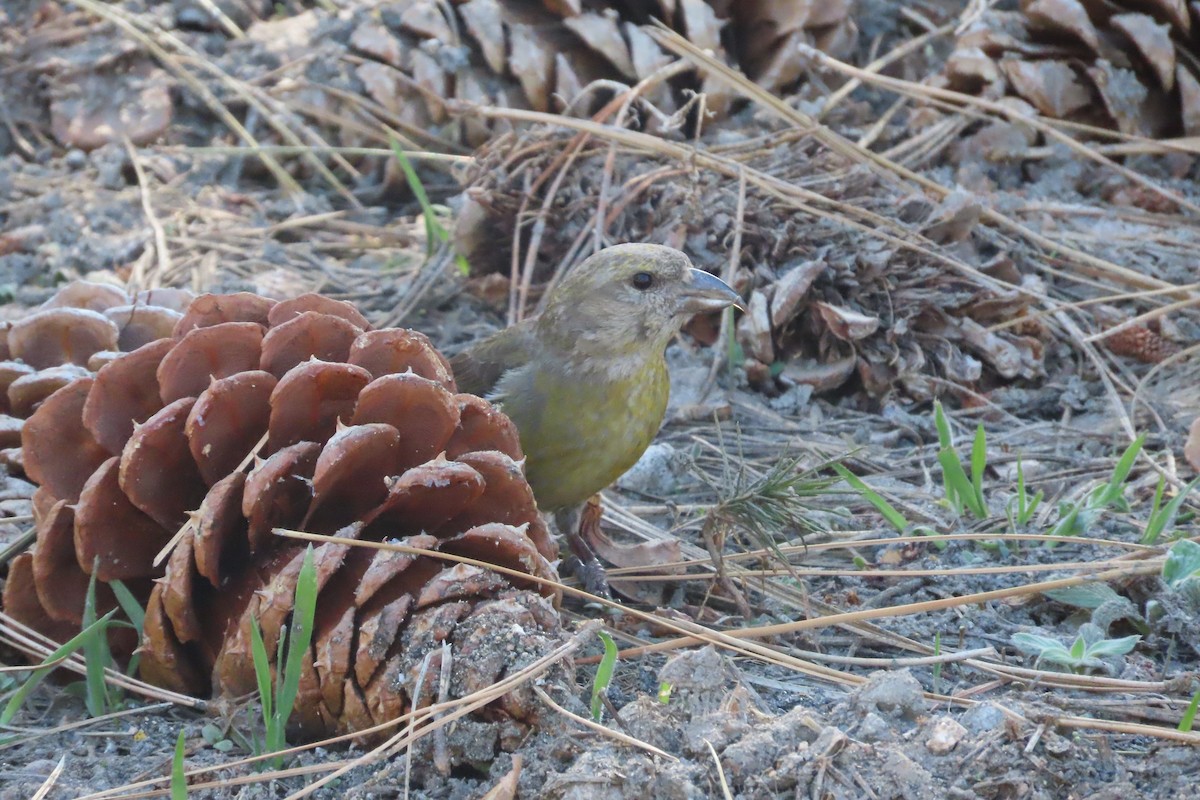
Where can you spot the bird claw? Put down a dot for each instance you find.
(591, 575)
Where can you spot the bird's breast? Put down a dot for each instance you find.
(581, 431)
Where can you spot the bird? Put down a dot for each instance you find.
(586, 381)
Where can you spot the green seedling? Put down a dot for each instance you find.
(178, 779)
(962, 492)
(1163, 517)
(136, 615)
(97, 658)
(1026, 506)
(279, 695)
(1077, 518)
(216, 738)
(1182, 564)
(435, 233)
(1189, 716)
(1082, 654)
(604, 675)
(664, 692)
(886, 509)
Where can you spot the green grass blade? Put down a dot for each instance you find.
(39, 674)
(1116, 484)
(1189, 716)
(299, 634)
(1022, 499)
(978, 465)
(889, 512)
(1162, 518)
(958, 486)
(433, 229)
(262, 671)
(178, 779)
(129, 604)
(96, 656)
(945, 438)
(604, 675)
(136, 615)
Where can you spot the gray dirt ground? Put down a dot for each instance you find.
(766, 731)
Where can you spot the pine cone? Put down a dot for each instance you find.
(70, 336)
(344, 430)
(1135, 70)
(511, 53)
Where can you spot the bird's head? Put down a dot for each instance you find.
(629, 299)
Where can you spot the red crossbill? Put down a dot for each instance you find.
(586, 381)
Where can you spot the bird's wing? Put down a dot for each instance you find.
(478, 369)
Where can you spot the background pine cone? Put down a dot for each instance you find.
(254, 415)
(517, 54)
(1134, 68)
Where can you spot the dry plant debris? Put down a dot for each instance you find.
(253, 414)
(833, 306)
(1133, 67)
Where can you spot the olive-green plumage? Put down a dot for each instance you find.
(586, 382)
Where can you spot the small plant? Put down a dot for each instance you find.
(279, 698)
(1163, 517)
(886, 509)
(1189, 716)
(1077, 518)
(217, 738)
(664, 692)
(178, 778)
(1086, 652)
(961, 492)
(97, 658)
(435, 232)
(765, 506)
(1182, 564)
(1026, 506)
(604, 675)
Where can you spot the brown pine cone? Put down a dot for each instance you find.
(254, 415)
(71, 335)
(1134, 69)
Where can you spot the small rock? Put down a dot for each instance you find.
(874, 728)
(946, 735)
(894, 694)
(983, 717)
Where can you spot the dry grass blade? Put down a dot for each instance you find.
(44, 790)
(1148, 567)
(26, 640)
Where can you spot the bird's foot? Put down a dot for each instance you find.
(584, 564)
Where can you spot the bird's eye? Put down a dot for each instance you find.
(642, 281)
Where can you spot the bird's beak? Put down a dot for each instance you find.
(703, 291)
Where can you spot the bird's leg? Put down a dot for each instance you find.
(571, 523)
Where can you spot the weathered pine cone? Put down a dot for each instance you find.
(1131, 66)
(542, 55)
(254, 415)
